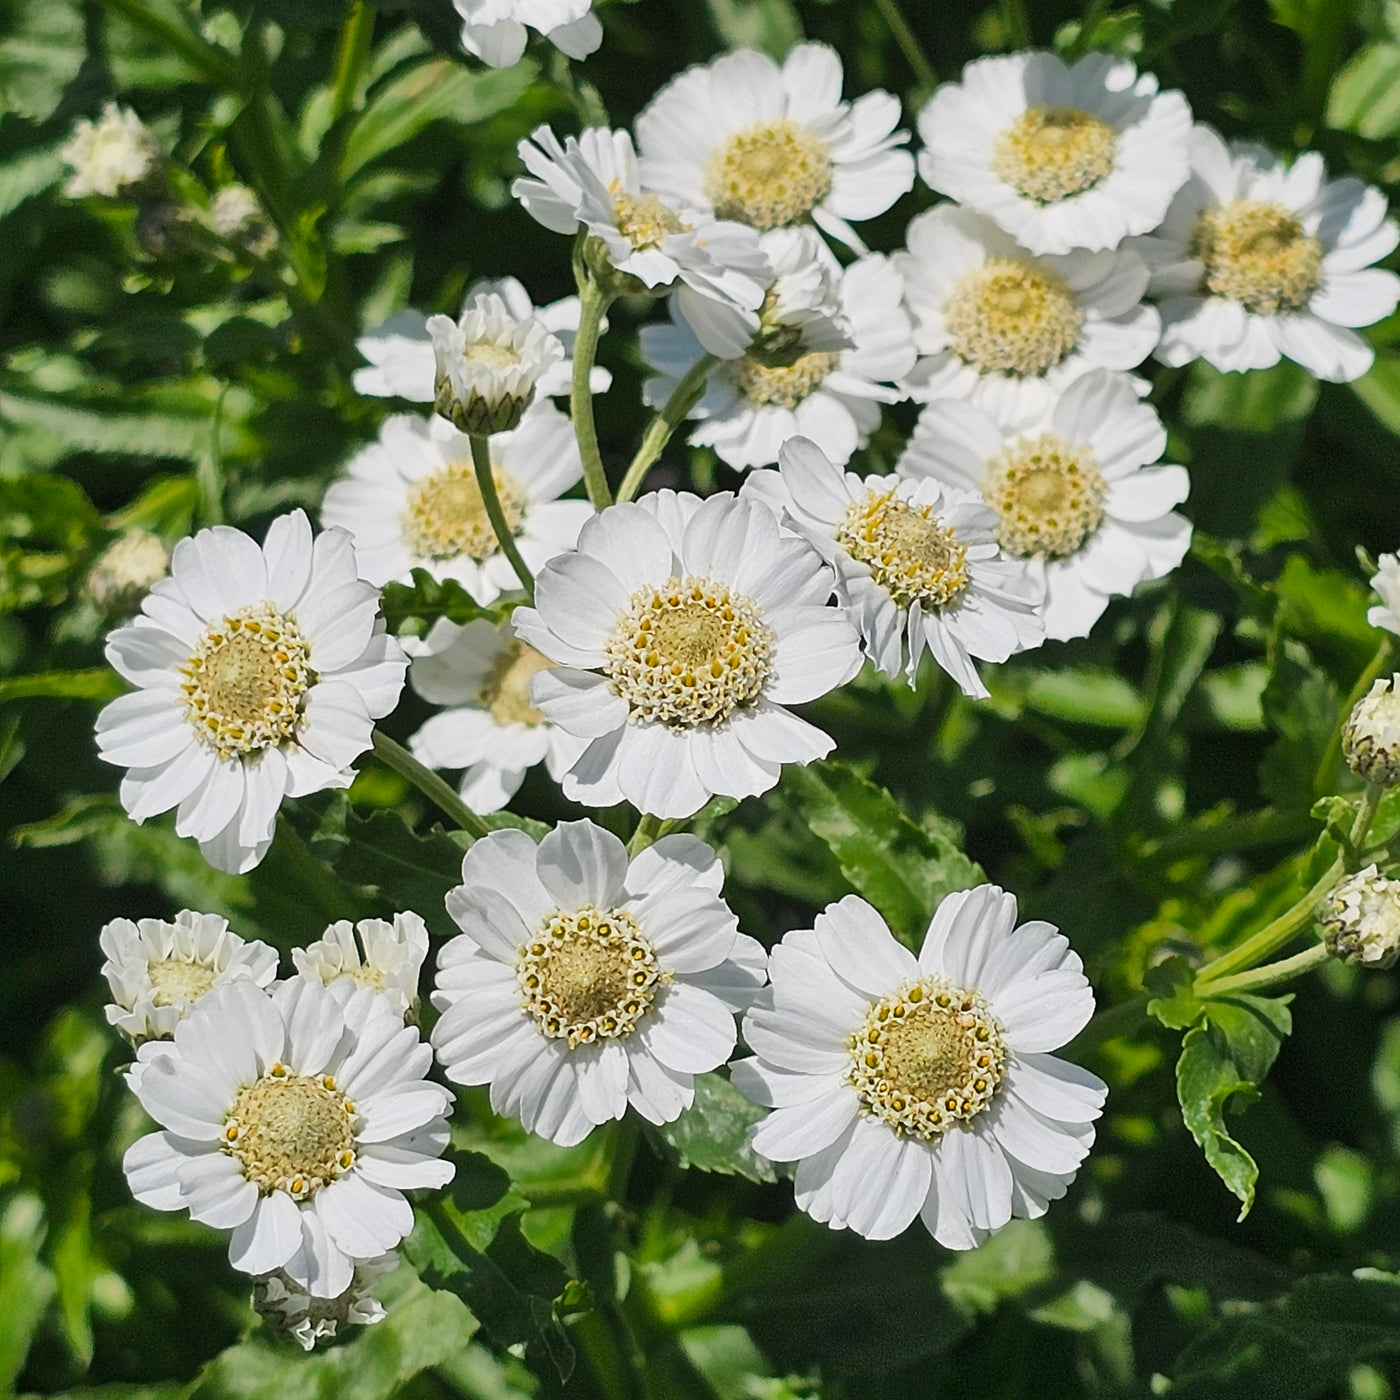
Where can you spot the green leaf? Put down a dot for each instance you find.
(40, 55)
(1255, 401)
(1379, 390)
(26, 1286)
(712, 1135)
(1302, 707)
(127, 434)
(1173, 1002)
(1328, 605)
(1227, 1056)
(426, 600)
(27, 174)
(100, 684)
(1365, 95)
(1084, 695)
(771, 25)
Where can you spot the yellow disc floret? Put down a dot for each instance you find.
(446, 517)
(1049, 495)
(291, 1132)
(1258, 255)
(783, 385)
(1051, 153)
(911, 555)
(506, 689)
(245, 680)
(928, 1057)
(769, 174)
(177, 981)
(643, 219)
(689, 652)
(588, 975)
(1012, 317)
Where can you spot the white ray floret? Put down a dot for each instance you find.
(680, 629)
(411, 501)
(909, 1087)
(1257, 262)
(1060, 156)
(994, 323)
(259, 672)
(831, 343)
(296, 1119)
(1073, 487)
(159, 970)
(1386, 583)
(584, 981)
(496, 30)
(387, 958)
(488, 727)
(917, 565)
(288, 1308)
(771, 145)
(111, 157)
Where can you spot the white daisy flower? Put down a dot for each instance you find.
(1060, 157)
(916, 565)
(400, 352)
(489, 362)
(489, 727)
(996, 324)
(259, 673)
(288, 1308)
(770, 145)
(679, 630)
(906, 1086)
(296, 1118)
(1072, 487)
(158, 971)
(387, 958)
(592, 182)
(583, 981)
(1386, 583)
(1256, 262)
(411, 501)
(796, 378)
(111, 157)
(495, 30)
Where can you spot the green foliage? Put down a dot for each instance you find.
(712, 1134)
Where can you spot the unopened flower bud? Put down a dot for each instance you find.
(287, 1307)
(237, 216)
(126, 569)
(112, 157)
(1371, 735)
(488, 364)
(1360, 919)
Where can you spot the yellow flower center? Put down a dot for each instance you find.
(588, 975)
(927, 1057)
(177, 981)
(911, 556)
(1258, 255)
(643, 219)
(506, 690)
(1049, 495)
(367, 975)
(491, 355)
(291, 1132)
(1011, 317)
(769, 174)
(1051, 153)
(446, 517)
(244, 682)
(689, 653)
(784, 385)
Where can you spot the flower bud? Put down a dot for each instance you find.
(112, 157)
(1371, 735)
(237, 216)
(126, 569)
(289, 1309)
(1360, 919)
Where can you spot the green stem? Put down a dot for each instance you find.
(1112, 1021)
(396, 757)
(1093, 16)
(1017, 24)
(356, 38)
(594, 304)
(648, 830)
(666, 421)
(1327, 769)
(505, 536)
(209, 471)
(908, 43)
(1271, 974)
(622, 1152)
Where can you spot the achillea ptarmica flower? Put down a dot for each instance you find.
(488, 365)
(906, 1086)
(1072, 488)
(1371, 734)
(1061, 157)
(997, 324)
(288, 1308)
(1256, 261)
(112, 157)
(411, 501)
(592, 181)
(387, 958)
(158, 971)
(771, 146)
(820, 366)
(679, 630)
(259, 673)
(1386, 582)
(495, 30)
(295, 1118)
(236, 215)
(583, 982)
(489, 727)
(126, 569)
(917, 565)
(1360, 919)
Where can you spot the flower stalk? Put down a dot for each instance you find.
(594, 302)
(490, 498)
(683, 398)
(398, 759)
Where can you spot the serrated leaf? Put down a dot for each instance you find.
(712, 1135)
(427, 599)
(1173, 1002)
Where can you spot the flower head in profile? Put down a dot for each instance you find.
(1386, 584)
(496, 30)
(583, 981)
(126, 569)
(917, 566)
(287, 1307)
(771, 145)
(680, 629)
(1360, 919)
(159, 970)
(387, 958)
(488, 727)
(112, 157)
(295, 1118)
(1371, 734)
(909, 1087)
(1060, 156)
(259, 672)
(411, 500)
(1257, 261)
(1073, 488)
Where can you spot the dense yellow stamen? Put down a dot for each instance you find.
(1012, 317)
(446, 517)
(1051, 153)
(1258, 255)
(1049, 495)
(911, 555)
(769, 174)
(784, 385)
(643, 220)
(291, 1132)
(177, 981)
(506, 690)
